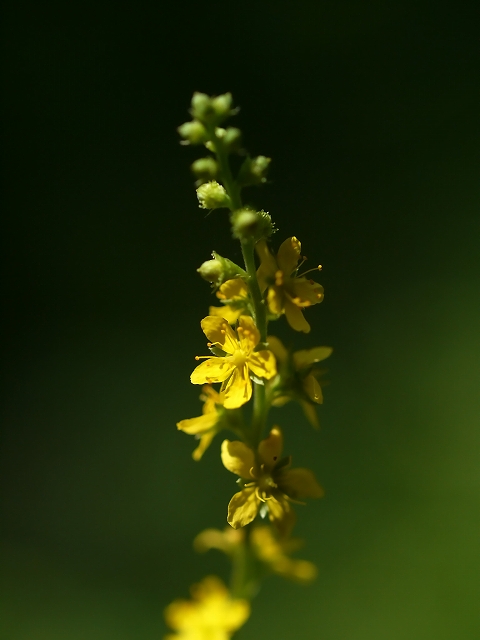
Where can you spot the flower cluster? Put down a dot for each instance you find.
(246, 372)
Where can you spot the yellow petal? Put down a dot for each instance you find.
(263, 364)
(212, 370)
(219, 331)
(208, 587)
(203, 445)
(268, 265)
(299, 483)
(295, 317)
(313, 389)
(235, 614)
(232, 289)
(277, 348)
(248, 334)
(281, 514)
(179, 614)
(203, 423)
(289, 254)
(270, 449)
(243, 508)
(225, 540)
(275, 300)
(299, 570)
(237, 458)
(210, 399)
(306, 357)
(307, 292)
(230, 314)
(238, 389)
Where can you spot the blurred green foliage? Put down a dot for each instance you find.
(370, 116)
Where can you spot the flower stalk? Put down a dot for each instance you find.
(252, 368)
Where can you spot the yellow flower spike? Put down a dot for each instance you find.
(206, 426)
(211, 614)
(272, 485)
(274, 553)
(299, 377)
(287, 291)
(233, 370)
(234, 294)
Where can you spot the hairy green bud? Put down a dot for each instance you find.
(250, 224)
(212, 195)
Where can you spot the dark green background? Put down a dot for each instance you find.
(370, 112)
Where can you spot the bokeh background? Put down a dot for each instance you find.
(370, 112)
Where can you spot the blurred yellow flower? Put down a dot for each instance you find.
(269, 549)
(270, 483)
(226, 540)
(211, 614)
(234, 295)
(287, 292)
(206, 426)
(241, 360)
(273, 553)
(298, 377)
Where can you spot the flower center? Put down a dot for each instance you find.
(239, 358)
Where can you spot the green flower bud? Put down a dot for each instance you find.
(253, 171)
(219, 270)
(205, 169)
(211, 110)
(250, 224)
(232, 139)
(220, 133)
(193, 132)
(212, 195)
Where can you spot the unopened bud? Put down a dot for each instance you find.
(212, 195)
(205, 169)
(219, 270)
(211, 110)
(193, 132)
(254, 171)
(232, 139)
(250, 224)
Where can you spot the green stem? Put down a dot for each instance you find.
(225, 171)
(233, 191)
(255, 293)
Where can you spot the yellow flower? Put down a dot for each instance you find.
(287, 292)
(271, 484)
(298, 377)
(273, 553)
(227, 540)
(234, 295)
(211, 615)
(206, 426)
(241, 360)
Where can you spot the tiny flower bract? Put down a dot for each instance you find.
(241, 360)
